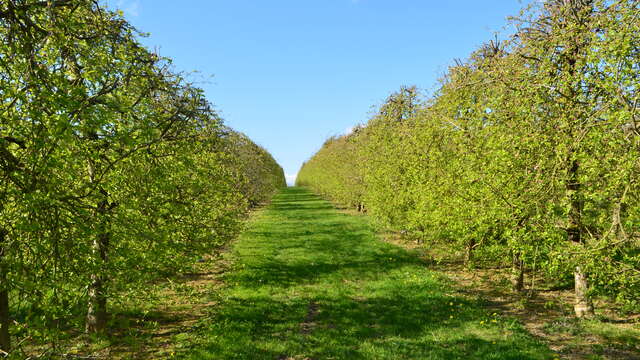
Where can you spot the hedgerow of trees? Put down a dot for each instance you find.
(529, 153)
(114, 170)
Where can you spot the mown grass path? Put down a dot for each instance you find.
(309, 282)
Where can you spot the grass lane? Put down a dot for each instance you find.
(309, 282)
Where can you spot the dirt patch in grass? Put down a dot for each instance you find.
(181, 306)
(545, 312)
(312, 312)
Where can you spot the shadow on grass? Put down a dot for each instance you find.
(311, 283)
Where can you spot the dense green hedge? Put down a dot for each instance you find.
(113, 169)
(528, 154)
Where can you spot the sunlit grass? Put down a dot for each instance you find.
(311, 283)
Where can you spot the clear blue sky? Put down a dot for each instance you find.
(290, 73)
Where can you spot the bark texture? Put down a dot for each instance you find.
(517, 273)
(97, 307)
(468, 258)
(583, 306)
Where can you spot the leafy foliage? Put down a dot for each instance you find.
(114, 170)
(527, 154)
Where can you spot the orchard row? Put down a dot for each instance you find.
(527, 156)
(114, 170)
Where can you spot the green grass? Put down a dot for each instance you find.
(595, 338)
(309, 282)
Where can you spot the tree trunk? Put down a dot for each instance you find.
(575, 212)
(97, 307)
(517, 272)
(468, 257)
(583, 306)
(575, 13)
(5, 338)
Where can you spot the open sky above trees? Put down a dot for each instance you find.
(291, 73)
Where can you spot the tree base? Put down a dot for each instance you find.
(583, 310)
